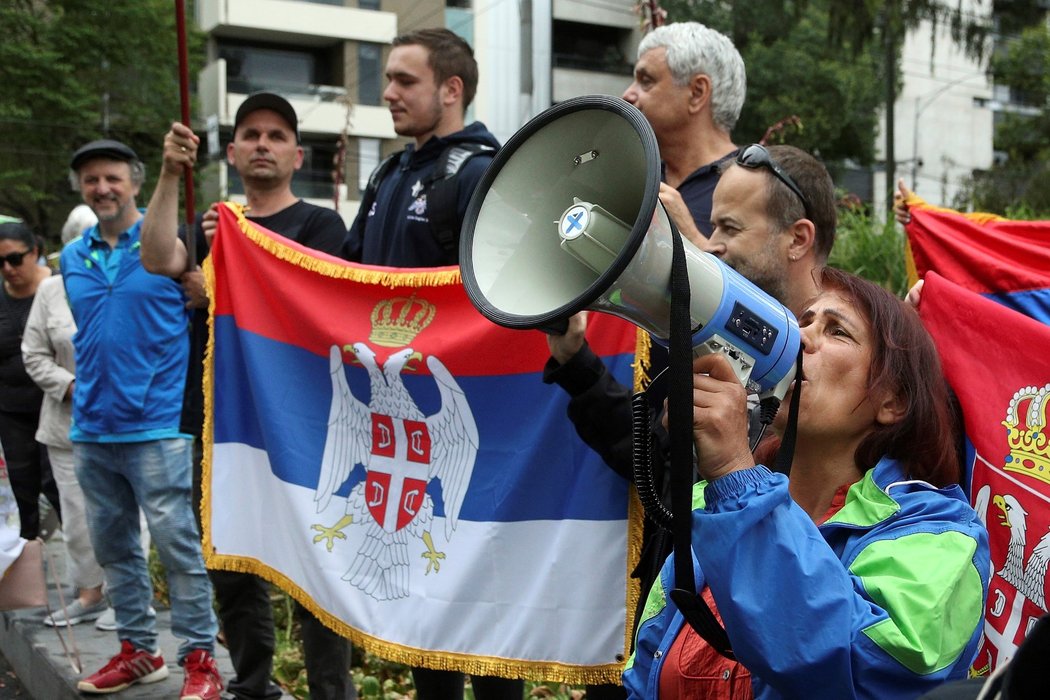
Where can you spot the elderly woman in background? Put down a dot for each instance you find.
(864, 574)
(20, 398)
(47, 350)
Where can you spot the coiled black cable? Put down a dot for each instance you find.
(642, 444)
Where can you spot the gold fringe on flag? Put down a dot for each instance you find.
(914, 201)
(392, 278)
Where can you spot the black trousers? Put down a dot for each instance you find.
(247, 623)
(448, 685)
(28, 468)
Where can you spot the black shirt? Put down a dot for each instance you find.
(308, 224)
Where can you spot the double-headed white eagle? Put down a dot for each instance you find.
(381, 566)
(1028, 578)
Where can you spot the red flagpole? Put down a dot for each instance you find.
(184, 98)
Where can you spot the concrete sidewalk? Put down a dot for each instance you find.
(36, 655)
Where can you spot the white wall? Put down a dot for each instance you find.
(941, 119)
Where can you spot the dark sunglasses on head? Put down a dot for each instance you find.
(757, 156)
(14, 259)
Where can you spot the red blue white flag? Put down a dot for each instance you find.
(1005, 260)
(393, 460)
(996, 361)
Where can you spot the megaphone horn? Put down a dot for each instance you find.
(568, 217)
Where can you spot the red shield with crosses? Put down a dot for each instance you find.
(398, 471)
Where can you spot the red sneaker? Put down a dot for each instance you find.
(128, 667)
(203, 681)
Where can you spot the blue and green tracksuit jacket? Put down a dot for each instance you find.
(883, 600)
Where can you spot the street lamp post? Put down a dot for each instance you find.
(920, 107)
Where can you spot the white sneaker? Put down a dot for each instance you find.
(74, 613)
(107, 622)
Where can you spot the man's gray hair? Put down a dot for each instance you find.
(694, 48)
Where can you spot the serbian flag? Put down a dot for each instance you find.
(1008, 261)
(393, 460)
(996, 361)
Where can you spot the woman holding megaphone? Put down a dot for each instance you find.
(862, 575)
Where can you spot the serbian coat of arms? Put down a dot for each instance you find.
(1014, 502)
(401, 450)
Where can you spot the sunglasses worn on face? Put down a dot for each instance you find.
(756, 156)
(14, 259)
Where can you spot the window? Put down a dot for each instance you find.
(285, 70)
(369, 72)
(589, 47)
(367, 160)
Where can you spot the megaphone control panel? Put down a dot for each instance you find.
(752, 328)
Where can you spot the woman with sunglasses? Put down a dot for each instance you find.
(20, 398)
(863, 574)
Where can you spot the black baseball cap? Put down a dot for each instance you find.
(272, 101)
(103, 148)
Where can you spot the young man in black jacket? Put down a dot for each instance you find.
(417, 208)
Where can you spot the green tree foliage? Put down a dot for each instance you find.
(1019, 187)
(832, 63)
(871, 248)
(793, 71)
(77, 70)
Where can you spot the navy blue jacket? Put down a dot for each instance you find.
(395, 231)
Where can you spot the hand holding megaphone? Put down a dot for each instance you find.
(564, 346)
(719, 429)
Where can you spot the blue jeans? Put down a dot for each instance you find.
(117, 480)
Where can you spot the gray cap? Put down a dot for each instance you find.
(271, 101)
(103, 148)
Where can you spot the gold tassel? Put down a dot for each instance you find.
(387, 277)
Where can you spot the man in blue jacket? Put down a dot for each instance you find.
(131, 352)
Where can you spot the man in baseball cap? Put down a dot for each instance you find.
(266, 153)
(272, 102)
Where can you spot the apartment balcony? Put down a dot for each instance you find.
(294, 21)
(322, 109)
(567, 83)
(612, 13)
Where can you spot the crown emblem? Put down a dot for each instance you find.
(395, 322)
(1026, 432)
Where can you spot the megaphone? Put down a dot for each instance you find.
(567, 217)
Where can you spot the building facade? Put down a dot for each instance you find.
(943, 117)
(327, 58)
